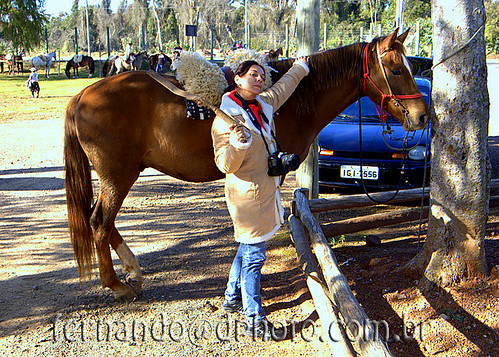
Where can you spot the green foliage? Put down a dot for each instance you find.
(22, 22)
(492, 26)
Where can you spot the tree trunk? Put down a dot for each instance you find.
(454, 249)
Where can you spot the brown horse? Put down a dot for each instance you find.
(86, 61)
(128, 122)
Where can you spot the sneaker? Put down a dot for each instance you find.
(232, 306)
(258, 328)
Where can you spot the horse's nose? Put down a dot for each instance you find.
(423, 119)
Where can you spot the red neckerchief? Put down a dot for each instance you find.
(254, 105)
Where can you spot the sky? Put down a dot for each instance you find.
(54, 7)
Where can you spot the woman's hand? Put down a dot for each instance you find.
(242, 133)
(303, 59)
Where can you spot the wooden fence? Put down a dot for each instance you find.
(342, 318)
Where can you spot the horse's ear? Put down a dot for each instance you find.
(387, 43)
(403, 36)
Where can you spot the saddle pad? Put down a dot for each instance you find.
(198, 112)
(77, 58)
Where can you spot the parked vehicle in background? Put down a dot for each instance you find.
(383, 154)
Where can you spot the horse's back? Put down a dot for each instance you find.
(130, 117)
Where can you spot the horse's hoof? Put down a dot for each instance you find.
(124, 293)
(134, 283)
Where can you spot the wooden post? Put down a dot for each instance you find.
(339, 343)
(364, 331)
(308, 33)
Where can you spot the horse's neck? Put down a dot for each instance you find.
(330, 87)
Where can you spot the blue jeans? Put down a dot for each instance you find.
(244, 279)
(160, 68)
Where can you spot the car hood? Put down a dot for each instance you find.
(343, 135)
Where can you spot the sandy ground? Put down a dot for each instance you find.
(183, 238)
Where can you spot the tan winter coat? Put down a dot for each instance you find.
(253, 197)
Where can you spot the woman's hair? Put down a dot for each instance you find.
(242, 70)
(245, 66)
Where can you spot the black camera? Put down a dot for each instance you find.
(280, 163)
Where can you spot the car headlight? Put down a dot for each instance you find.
(418, 153)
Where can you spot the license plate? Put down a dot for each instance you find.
(353, 172)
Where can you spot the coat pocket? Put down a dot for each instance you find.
(238, 190)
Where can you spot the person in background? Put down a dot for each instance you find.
(253, 197)
(129, 55)
(160, 67)
(32, 83)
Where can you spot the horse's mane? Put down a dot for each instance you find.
(327, 69)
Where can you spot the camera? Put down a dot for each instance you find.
(280, 163)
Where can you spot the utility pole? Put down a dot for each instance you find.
(246, 24)
(308, 35)
(88, 33)
(399, 19)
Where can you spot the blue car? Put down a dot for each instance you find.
(382, 154)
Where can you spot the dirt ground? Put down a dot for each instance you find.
(182, 236)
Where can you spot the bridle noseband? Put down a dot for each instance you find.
(383, 115)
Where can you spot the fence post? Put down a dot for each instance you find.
(108, 44)
(287, 40)
(418, 35)
(325, 37)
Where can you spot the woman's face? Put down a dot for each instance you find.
(250, 84)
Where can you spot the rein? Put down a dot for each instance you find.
(364, 73)
(383, 115)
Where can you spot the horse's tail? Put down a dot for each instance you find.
(79, 193)
(67, 70)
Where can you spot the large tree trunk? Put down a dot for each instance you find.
(460, 173)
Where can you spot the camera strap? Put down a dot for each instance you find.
(256, 122)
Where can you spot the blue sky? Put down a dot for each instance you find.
(54, 7)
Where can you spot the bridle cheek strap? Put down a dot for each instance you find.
(383, 115)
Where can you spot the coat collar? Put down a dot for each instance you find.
(232, 108)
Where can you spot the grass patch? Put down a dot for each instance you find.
(16, 102)
(346, 238)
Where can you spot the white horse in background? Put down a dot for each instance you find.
(43, 61)
(122, 66)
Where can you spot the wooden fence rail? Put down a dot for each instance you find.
(357, 322)
(326, 282)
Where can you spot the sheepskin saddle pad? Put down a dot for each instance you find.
(78, 58)
(208, 80)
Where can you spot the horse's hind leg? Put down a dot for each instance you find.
(111, 197)
(128, 261)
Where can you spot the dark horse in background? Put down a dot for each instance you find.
(126, 123)
(86, 61)
(153, 62)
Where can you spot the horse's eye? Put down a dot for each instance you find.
(396, 72)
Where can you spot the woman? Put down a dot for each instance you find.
(253, 198)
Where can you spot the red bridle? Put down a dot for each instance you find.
(395, 97)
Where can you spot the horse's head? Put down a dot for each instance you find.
(388, 81)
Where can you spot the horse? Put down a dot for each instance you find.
(153, 61)
(16, 60)
(108, 68)
(126, 123)
(274, 54)
(43, 60)
(122, 66)
(86, 61)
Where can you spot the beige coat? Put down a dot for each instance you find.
(253, 197)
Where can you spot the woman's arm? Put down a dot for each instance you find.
(229, 143)
(286, 85)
